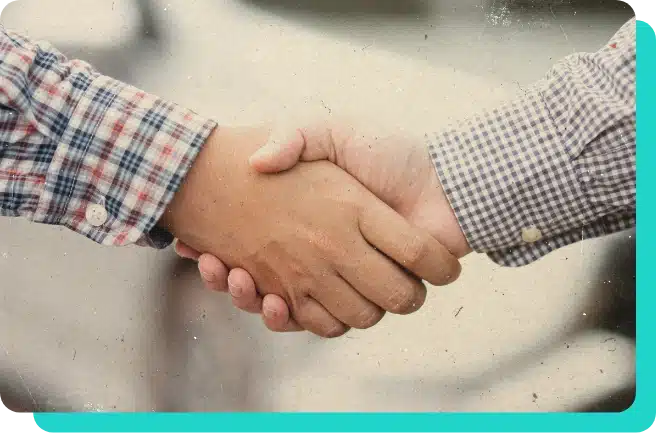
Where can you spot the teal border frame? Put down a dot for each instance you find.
(639, 417)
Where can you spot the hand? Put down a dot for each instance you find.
(312, 235)
(397, 169)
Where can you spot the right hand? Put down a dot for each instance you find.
(312, 236)
(395, 168)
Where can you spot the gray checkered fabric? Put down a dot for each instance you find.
(559, 160)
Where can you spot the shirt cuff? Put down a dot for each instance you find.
(517, 193)
(120, 160)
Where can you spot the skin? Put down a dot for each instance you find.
(312, 236)
(395, 168)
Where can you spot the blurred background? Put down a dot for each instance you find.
(85, 328)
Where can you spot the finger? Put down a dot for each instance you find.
(244, 294)
(382, 281)
(286, 148)
(312, 316)
(185, 251)
(412, 248)
(347, 304)
(213, 272)
(281, 152)
(325, 143)
(276, 316)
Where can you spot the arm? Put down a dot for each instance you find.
(117, 165)
(87, 152)
(555, 166)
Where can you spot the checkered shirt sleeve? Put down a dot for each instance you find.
(71, 138)
(555, 166)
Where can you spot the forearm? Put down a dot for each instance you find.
(553, 167)
(75, 142)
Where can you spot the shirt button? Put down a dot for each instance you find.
(531, 234)
(96, 215)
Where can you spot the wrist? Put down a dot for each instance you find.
(442, 222)
(184, 197)
(219, 173)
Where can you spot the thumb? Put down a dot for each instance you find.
(281, 152)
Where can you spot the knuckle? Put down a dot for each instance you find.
(401, 301)
(454, 273)
(298, 305)
(334, 331)
(297, 285)
(406, 301)
(323, 242)
(320, 325)
(368, 318)
(415, 251)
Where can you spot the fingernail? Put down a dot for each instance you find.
(207, 276)
(270, 313)
(235, 291)
(266, 151)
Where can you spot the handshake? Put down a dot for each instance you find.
(324, 229)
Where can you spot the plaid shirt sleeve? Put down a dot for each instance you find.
(73, 140)
(553, 167)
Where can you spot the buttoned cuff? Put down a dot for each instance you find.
(515, 189)
(120, 159)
